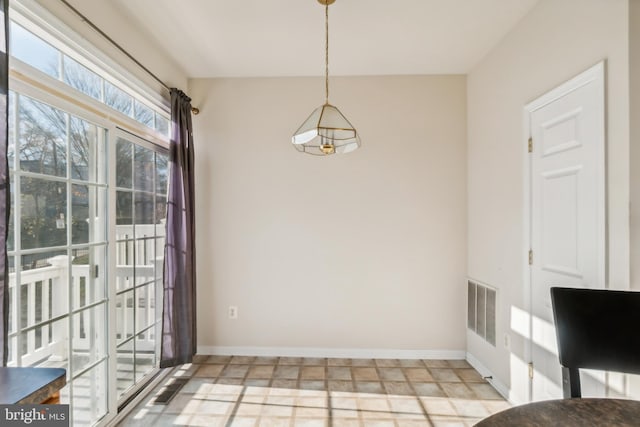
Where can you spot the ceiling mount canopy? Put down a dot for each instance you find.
(326, 131)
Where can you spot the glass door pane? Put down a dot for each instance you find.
(140, 214)
(59, 258)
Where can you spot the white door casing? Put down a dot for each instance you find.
(567, 213)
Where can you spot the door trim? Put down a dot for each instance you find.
(595, 73)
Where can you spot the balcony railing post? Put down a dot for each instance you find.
(60, 299)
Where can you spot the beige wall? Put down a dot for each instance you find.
(555, 41)
(361, 251)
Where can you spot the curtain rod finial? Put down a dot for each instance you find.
(195, 111)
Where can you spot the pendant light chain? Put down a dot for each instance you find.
(326, 52)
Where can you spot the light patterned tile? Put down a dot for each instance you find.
(284, 387)
(240, 422)
(340, 386)
(398, 388)
(347, 403)
(183, 403)
(414, 423)
(290, 361)
(418, 375)
(265, 361)
(365, 374)
(380, 404)
(339, 373)
(218, 360)
(304, 391)
(460, 364)
(249, 409)
(201, 420)
(469, 375)
(235, 371)
(312, 373)
(391, 374)
(275, 410)
(435, 363)
(428, 390)
(310, 422)
(444, 375)
(286, 372)
(437, 406)
(370, 387)
(485, 391)
(198, 385)
(363, 362)
(185, 370)
(338, 362)
(209, 371)
(406, 405)
(260, 372)
(253, 385)
(470, 408)
(200, 358)
(312, 385)
(378, 423)
(230, 381)
(311, 412)
(242, 360)
(215, 407)
(274, 422)
(458, 390)
(387, 363)
(411, 363)
(448, 422)
(314, 361)
(494, 406)
(345, 422)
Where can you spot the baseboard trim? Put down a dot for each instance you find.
(352, 353)
(485, 372)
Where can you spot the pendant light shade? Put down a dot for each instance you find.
(326, 131)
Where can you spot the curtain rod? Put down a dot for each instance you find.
(120, 48)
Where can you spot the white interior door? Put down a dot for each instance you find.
(567, 211)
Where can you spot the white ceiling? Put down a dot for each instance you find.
(242, 38)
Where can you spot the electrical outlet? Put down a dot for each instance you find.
(233, 312)
(507, 341)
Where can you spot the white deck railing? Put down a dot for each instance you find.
(46, 293)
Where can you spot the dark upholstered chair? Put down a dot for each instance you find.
(596, 329)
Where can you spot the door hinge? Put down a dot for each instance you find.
(530, 257)
(530, 144)
(530, 370)
(95, 271)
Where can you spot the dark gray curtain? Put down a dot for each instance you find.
(5, 194)
(179, 312)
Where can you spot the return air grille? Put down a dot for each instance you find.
(481, 310)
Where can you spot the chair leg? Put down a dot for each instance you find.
(571, 382)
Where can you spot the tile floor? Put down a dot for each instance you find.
(284, 391)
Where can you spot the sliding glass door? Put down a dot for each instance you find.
(141, 193)
(58, 246)
(74, 271)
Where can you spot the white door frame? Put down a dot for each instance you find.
(594, 73)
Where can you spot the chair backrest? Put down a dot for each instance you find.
(596, 329)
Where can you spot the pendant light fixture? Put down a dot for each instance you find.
(326, 131)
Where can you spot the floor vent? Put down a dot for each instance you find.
(168, 392)
(481, 310)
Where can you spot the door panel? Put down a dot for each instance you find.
(567, 210)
